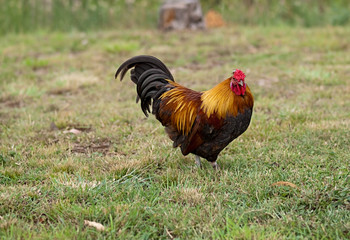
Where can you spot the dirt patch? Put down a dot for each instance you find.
(14, 104)
(97, 146)
(54, 134)
(11, 102)
(62, 91)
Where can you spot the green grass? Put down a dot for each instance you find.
(121, 170)
(82, 15)
(25, 16)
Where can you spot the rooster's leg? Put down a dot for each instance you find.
(215, 165)
(198, 161)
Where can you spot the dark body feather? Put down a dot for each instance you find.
(181, 111)
(213, 138)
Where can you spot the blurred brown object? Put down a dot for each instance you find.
(180, 15)
(214, 19)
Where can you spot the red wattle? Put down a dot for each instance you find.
(237, 89)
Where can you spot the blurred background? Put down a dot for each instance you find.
(82, 15)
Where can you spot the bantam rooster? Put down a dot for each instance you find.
(202, 123)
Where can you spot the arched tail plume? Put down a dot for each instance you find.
(150, 76)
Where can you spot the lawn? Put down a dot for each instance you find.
(75, 146)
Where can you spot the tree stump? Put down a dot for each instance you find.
(180, 15)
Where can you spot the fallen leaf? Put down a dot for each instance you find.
(73, 130)
(282, 183)
(96, 225)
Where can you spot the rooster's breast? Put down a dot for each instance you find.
(216, 139)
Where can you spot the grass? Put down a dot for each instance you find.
(81, 15)
(121, 170)
(85, 15)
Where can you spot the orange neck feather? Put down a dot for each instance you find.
(183, 103)
(221, 101)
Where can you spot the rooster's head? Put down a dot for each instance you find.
(237, 84)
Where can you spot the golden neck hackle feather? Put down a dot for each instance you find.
(221, 101)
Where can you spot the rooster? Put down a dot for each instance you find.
(202, 123)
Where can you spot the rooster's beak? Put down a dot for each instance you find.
(241, 83)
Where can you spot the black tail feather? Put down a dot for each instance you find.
(133, 76)
(142, 60)
(145, 75)
(154, 85)
(150, 75)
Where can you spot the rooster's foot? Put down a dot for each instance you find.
(215, 165)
